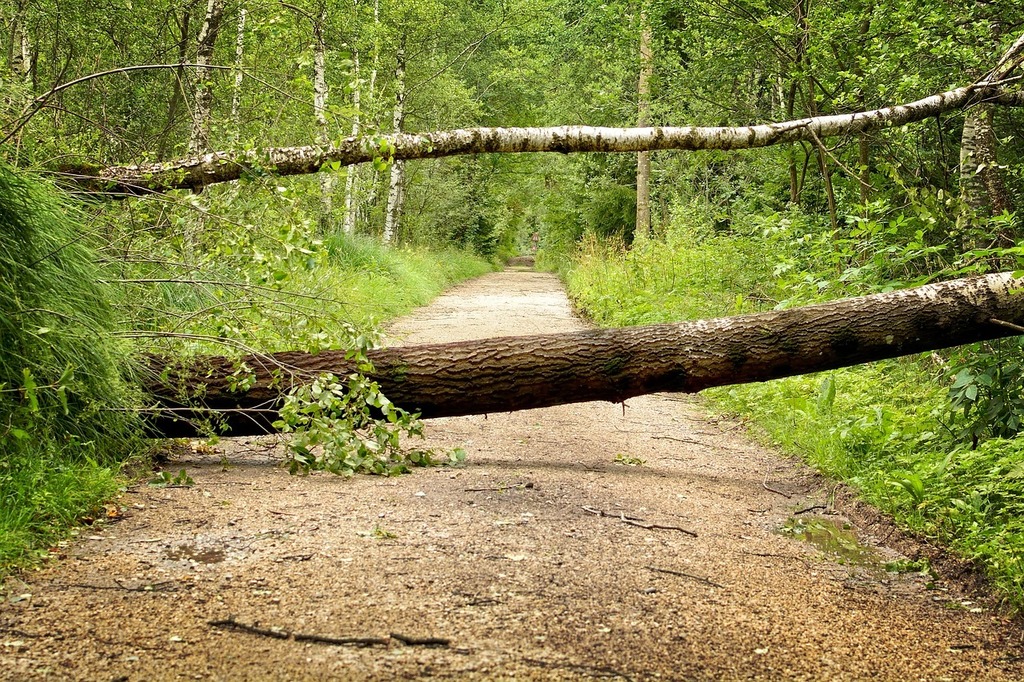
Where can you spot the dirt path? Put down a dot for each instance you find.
(548, 556)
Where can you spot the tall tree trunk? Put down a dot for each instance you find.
(19, 57)
(864, 139)
(396, 191)
(199, 140)
(20, 47)
(236, 92)
(515, 373)
(373, 183)
(801, 11)
(794, 178)
(320, 112)
(643, 159)
(375, 59)
(982, 187)
(352, 175)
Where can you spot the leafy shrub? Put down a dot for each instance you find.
(987, 394)
(347, 426)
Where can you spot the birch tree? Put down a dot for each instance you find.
(396, 186)
(236, 92)
(351, 176)
(199, 139)
(643, 158)
(199, 171)
(320, 93)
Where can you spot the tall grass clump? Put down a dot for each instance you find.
(379, 283)
(65, 405)
(689, 275)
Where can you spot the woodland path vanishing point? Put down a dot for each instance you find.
(542, 558)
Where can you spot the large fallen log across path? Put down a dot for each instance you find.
(523, 372)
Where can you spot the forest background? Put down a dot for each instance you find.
(268, 263)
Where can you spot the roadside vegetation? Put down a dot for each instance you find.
(929, 439)
(78, 311)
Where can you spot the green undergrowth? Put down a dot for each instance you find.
(239, 291)
(66, 400)
(881, 428)
(380, 284)
(901, 432)
(83, 292)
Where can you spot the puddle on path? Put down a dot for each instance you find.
(199, 555)
(834, 539)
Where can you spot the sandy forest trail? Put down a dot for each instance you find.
(547, 556)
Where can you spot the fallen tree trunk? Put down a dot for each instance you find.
(516, 373)
(196, 172)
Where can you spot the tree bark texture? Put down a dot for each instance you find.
(643, 159)
(396, 186)
(981, 182)
(236, 91)
(351, 176)
(516, 373)
(320, 94)
(199, 140)
(197, 171)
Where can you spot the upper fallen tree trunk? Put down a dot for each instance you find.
(196, 172)
(515, 373)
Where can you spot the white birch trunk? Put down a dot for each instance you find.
(199, 140)
(351, 177)
(376, 49)
(643, 158)
(320, 112)
(396, 191)
(198, 171)
(236, 94)
(19, 57)
(21, 48)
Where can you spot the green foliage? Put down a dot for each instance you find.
(65, 399)
(987, 394)
(166, 480)
(899, 431)
(687, 277)
(347, 426)
(885, 436)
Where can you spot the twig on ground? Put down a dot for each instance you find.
(230, 622)
(688, 576)
(20, 633)
(773, 555)
(658, 526)
(152, 587)
(770, 489)
(639, 523)
(601, 512)
(678, 440)
(500, 488)
(420, 641)
(810, 509)
(298, 557)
